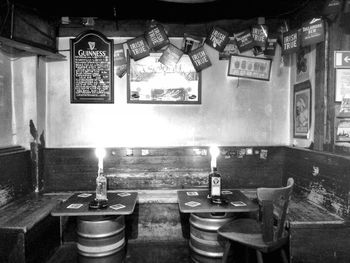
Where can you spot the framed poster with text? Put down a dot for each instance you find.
(91, 68)
(249, 67)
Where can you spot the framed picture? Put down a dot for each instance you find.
(150, 81)
(302, 110)
(249, 67)
(302, 64)
(343, 130)
(342, 84)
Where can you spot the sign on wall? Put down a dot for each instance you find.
(312, 32)
(91, 68)
(342, 59)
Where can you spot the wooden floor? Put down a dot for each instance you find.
(150, 252)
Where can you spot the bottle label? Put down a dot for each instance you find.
(215, 186)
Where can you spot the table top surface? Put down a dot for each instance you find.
(119, 203)
(197, 201)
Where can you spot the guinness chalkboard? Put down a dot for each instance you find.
(92, 68)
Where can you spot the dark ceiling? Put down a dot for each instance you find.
(166, 11)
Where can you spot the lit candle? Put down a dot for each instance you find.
(100, 153)
(214, 152)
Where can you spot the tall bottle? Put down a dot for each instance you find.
(101, 186)
(214, 185)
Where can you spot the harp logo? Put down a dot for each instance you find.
(91, 45)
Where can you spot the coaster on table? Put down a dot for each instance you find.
(74, 206)
(192, 193)
(84, 195)
(117, 206)
(192, 204)
(124, 194)
(238, 203)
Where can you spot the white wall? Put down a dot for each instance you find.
(250, 112)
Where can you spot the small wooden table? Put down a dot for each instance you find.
(78, 205)
(197, 201)
(101, 232)
(206, 218)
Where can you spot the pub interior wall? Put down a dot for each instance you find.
(233, 111)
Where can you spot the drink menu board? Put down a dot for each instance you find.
(92, 68)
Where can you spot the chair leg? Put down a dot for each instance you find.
(259, 256)
(226, 251)
(284, 256)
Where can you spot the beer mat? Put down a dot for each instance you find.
(192, 193)
(84, 195)
(238, 203)
(124, 194)
(225, 192)
(192, 204)
(74, 206)
(117, 206)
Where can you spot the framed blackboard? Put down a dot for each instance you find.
(91, 68)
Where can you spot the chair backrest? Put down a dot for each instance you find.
(278, 198)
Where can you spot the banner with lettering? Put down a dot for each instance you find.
(259, 34)
(290, 41)
(171, 56)
(312, 32)
(244, 40)
(199, 59)
(120, 63)
(156, 37)
(217, 38)
(138, 48)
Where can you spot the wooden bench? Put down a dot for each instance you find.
(316, 235)
(28, 233)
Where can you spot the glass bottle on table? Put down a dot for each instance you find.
(215, 185)
(101, 186)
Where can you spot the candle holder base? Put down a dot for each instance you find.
(98, 204)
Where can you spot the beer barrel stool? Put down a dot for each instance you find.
(101, 239)
(205, 244)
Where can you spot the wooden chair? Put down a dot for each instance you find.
(267, 233)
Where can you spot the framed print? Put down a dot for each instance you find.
(302, 64)
(249, 67)
(343, 130)
(342, 84)
(150, 81)
(91, 68)
(302, 110)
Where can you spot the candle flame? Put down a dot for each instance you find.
(100, 153)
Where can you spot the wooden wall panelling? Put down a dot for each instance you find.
(75, 169)
(329, 187)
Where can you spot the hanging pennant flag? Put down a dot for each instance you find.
(138, 48)
(271, 45)
(156, 37)
(217, 38)
(244, 40)
(290, 41)
(191, 42)
(312, 32)
(199, 59)
(259, 34)
(230, 49)
(332, 9)
(119, 60)
(171, 56)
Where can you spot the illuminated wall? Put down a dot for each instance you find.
(233, 112)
